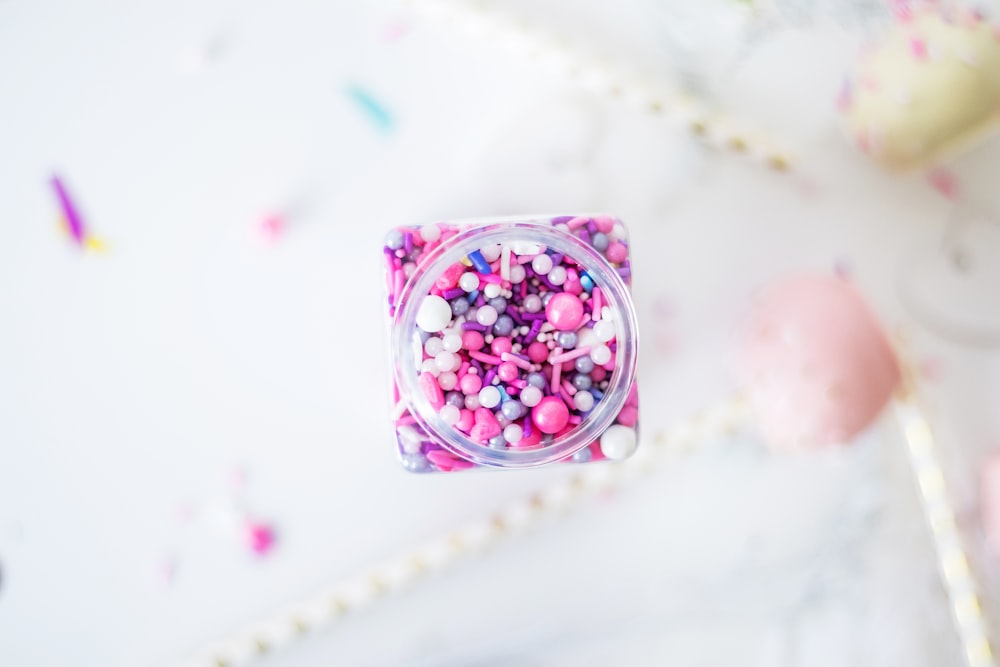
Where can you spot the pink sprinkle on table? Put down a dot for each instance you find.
(259, 537)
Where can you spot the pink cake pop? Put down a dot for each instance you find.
(817, 364)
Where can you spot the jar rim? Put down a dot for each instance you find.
(475, 234)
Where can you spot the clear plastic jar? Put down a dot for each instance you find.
(501, 270)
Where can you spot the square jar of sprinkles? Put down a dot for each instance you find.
(513, 341)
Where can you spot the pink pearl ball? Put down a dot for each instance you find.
(550, 415)
(538, 352)
(470, 384)
(472, 340)
(818, 365)
(501, 344)
(507, 371)
(466, 420)
(564, 311)
(616, 252)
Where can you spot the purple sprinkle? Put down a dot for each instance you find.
(473, 326)
(490, 374)
(523, 357)
(514, 315)
(613, 347)
(557, 258)
(480, 301)
(452, 293)
(536, 326)
(585, 236)
(408, 242)
(73, 219)
(527, 427)
(389, 251)
(592, 227)
(478, 365)
(562, 219)
(545, 280)
(531, 317)
(392, 311)
(624, 271)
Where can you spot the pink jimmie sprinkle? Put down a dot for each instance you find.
(272, 228)
(447, 462)
(259, 537)
(919, 48)
(944, 181)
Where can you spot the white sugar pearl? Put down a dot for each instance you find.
(434, 313)
(532, 303)
(517, 274)
(452, 342)
(586, 337)
(583, 400)
(430, 232)
(492, 290)
(450, 414)
(541, 264)
(447, 380)
(607, 314)
(618, 442)
(447, 361)
(489, 397)
(604, 330)
(557, 276)
(429, 366)
(433, 346)
(601, 354)
(618, 232)
(409, 439)
(472, 402)
(513, 433)
(486, 315)
(491, 253)
(531, 396)
(469, 281)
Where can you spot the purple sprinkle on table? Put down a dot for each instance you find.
(562, 219)
(452, 293)
(473, 326)
(73, 219)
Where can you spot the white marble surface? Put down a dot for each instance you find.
(132, 383)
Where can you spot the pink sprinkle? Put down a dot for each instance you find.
(272, 228)
(919, 48)
(516, 360)
(595, 303)
(490, 278)
(556, 375)
(432, 390)
(576, 223)
(568, 388)
(259, 536)
(944, 181)
(446, 461)
(902, 10)
(525, 259)
(485, 358)
(574, 419)
(567, 356)
(567, 400)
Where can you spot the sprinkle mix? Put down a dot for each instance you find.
(517, 343)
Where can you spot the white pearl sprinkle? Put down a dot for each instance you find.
(434, 313)
(430, 232)
(618, 442)
(604, 330)
(489, 397)
(450, 414)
